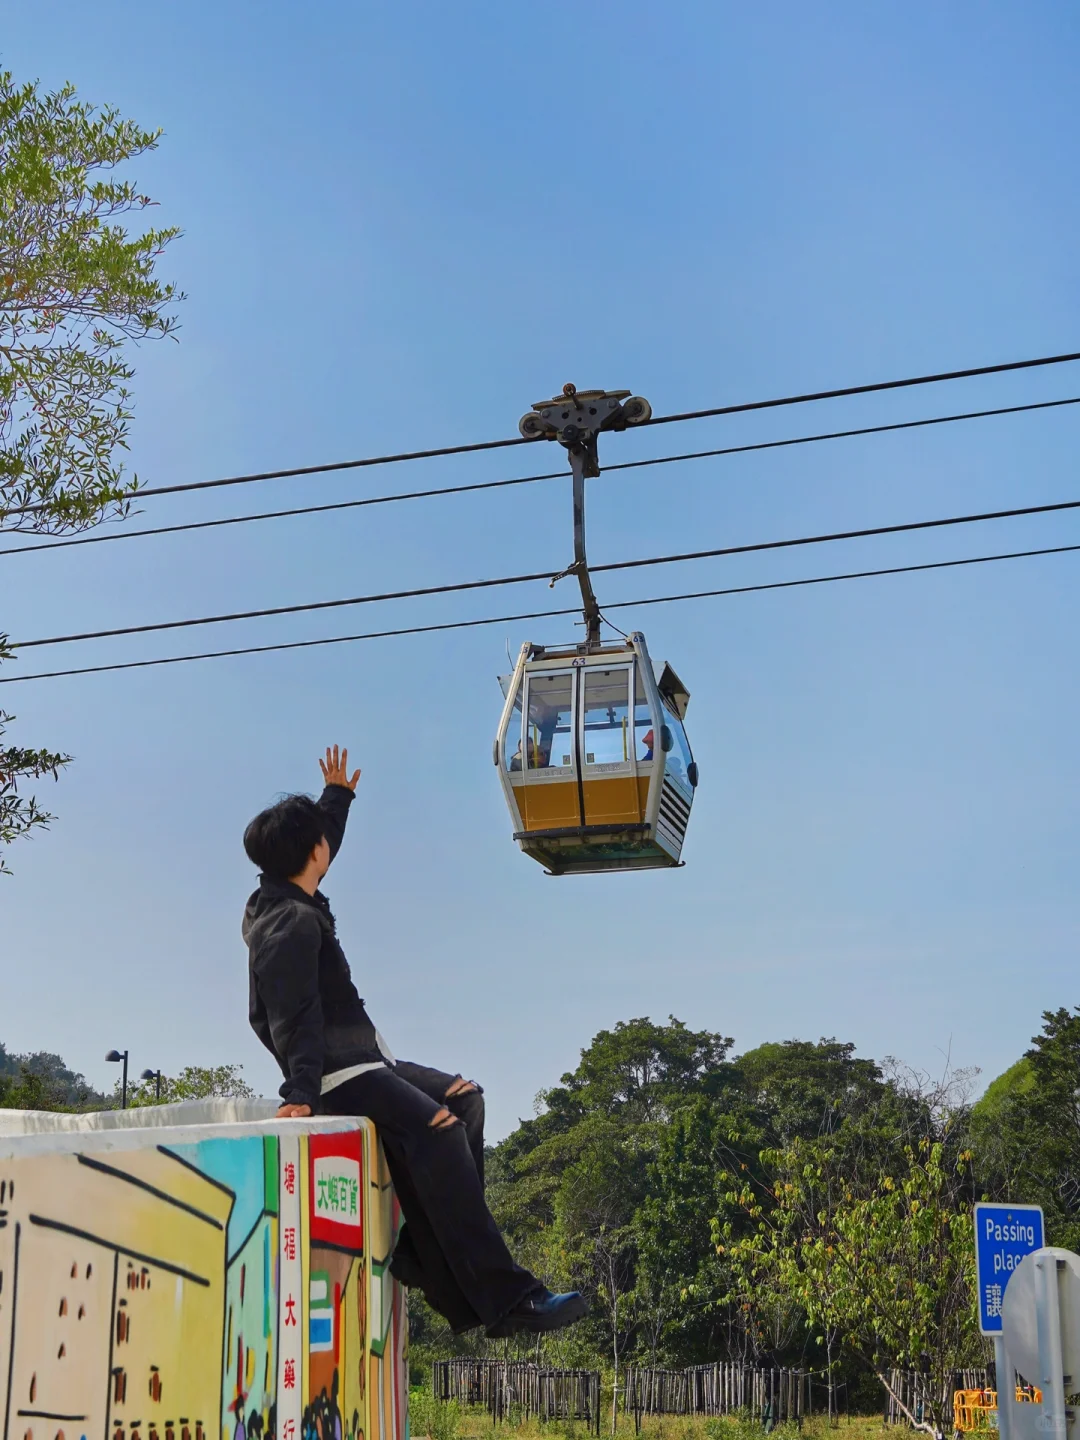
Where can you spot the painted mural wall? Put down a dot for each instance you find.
(219, 1287)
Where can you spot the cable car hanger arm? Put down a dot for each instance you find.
(580, 567)
(576, 418)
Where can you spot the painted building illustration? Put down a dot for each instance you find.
(204, 1282)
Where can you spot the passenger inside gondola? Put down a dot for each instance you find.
(539, 755)
(647, 741)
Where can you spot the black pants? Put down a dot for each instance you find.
(460, 1259)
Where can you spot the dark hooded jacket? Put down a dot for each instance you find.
(303, 1005)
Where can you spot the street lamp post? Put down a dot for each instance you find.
(154, 1075)
(115, 1057)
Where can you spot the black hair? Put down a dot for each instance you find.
(280, 840)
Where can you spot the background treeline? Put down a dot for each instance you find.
(793, 1205)
(41, 1081)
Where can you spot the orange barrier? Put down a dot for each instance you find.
(972, 1408)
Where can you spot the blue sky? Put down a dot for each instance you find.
(404, 223)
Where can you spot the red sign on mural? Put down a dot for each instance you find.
(336, 1190)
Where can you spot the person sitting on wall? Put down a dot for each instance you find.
(305, 1009)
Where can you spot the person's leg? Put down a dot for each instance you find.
(439, 1190)
(435, 1278)
(463, 1098)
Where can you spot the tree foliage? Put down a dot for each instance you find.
(20, 814)
(797, 1204)
(77, 286)
(41, 1081)
(195, 1082)
(1026, 1128)
(881, 1262)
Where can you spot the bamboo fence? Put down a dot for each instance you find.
(720, 1389)
(505, 1385)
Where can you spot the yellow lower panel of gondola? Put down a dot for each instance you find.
(548, 807)
(618, 800)
(614, 800)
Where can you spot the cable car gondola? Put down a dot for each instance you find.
(591, 749)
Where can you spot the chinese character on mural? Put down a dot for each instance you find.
(335, 1190)
(290, 1242)
(993, 1300)
(290, 1178)
(290, 1376)
(290, 1311)
(288, 1430)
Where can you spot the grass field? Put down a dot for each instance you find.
(441, 1421)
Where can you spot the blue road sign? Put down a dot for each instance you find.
(1004, 1234)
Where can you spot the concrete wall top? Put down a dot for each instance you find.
(37, 1132)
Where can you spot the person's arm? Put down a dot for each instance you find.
(287, 974)
(339, 794)
(334, 803)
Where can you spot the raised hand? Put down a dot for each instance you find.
(335, 769)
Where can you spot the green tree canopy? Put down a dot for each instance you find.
(1026, 1128)
(195, 1082)
(42, 1081)
(809, 1089)
(76, 287)
(654, 1163)
(883, 1263)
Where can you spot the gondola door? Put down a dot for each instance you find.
(550, 797)
(610, 743)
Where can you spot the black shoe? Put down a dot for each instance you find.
(541, 1310)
